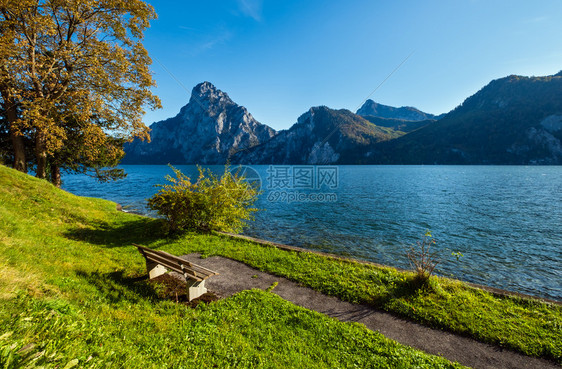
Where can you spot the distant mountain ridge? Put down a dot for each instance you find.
(512, 120)
(371, 108)
(320, 136)
(206, 131)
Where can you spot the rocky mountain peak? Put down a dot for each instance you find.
(308, 116)
(206, 98)
(207, 91)
(206, 131)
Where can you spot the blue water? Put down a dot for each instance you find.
(505, 220)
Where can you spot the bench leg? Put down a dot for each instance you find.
(154, 269)
(195, 289)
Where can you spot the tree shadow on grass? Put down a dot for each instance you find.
(116, 287)
(141, 231)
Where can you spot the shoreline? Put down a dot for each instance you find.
(493, 290)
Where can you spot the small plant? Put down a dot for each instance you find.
(211, 204)
(422, 257)
(457, 254)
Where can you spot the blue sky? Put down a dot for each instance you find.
(280, 57)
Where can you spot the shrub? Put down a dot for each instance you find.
(212, 203)
(422, 257)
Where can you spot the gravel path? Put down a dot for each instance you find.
(235, 277)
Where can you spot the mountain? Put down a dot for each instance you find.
(320, 136)
(399, 124)
(512, 120)
(206, 131)
(408, 113)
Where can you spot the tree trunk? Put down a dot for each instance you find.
(19, 152)
(41, 154)
(17, 139)
(55, 175)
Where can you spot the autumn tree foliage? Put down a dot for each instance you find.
(74, 80)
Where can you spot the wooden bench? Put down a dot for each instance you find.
(158, 261)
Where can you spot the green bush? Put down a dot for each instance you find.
(212, 203)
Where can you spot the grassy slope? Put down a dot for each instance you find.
(70, 296)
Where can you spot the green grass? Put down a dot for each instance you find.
(71, 296)
(251, 329)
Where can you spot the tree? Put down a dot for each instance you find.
(87, 149)
(74, 72)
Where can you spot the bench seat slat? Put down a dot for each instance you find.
(175, 266)
(167, 256)
(159, 255)
(197, 268)
(175, 263)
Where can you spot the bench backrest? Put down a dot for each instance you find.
(188, 269)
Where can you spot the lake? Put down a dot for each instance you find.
(505, 220)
